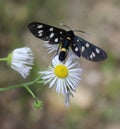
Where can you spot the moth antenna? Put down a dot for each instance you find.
(61, 24)
(81, 31)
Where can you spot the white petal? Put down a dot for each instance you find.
(51, 47)
(59, 85)
(56, 61)
(53, 82)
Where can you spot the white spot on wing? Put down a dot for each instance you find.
(40, 26)
(51, 29)
(76, 49)
(78, 40)
(40, 31)
(51, 35)
(87, 45)
(40, 34)
(97, 50)
(60, 32)
(56, 40)
(93, 54)
(83, 48)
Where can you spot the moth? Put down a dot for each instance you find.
(65, 40)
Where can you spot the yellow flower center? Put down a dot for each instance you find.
(61, 71)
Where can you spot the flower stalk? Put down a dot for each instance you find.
(37, 103)
(38, 80)
(3, 59)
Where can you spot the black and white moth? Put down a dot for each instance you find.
(67, 39)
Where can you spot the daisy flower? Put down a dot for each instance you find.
(63, 77)
(21, 60)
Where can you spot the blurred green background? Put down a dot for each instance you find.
(96, 105)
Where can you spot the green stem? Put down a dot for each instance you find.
(16, 86)
(23, 84)
(3, 59)
(37, 103)
(30, 91)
